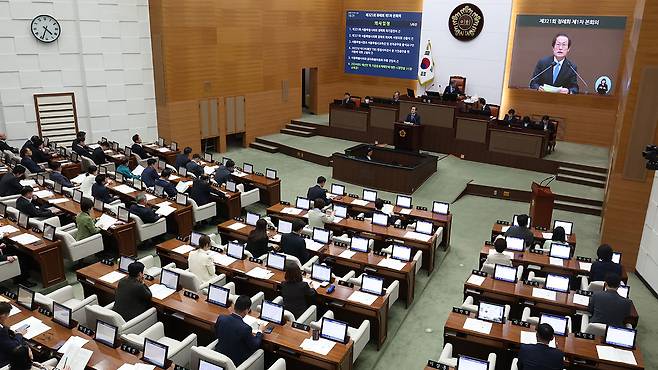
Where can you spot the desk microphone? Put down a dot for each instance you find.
(548, 183)
(545, 69)
(578, 74)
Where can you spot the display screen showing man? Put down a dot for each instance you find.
(556, 70)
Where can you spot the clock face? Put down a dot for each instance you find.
(45, 28)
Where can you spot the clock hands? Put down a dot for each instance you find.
(46, 30)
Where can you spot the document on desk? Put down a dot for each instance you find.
(124, 189)
(417, 236)
(556, 261)
(173, 177)
(165, 210)
(479, 326)
(183, 249)
(616, 354)
(504, 229)
(291, 210)
(313, 245)
(406, 211)
(35, 328)
(58, 200)
(530, 337)
(44, 193)
(544, 294)
(276, 238)
(76, 358)
(360, 202)
(112, 277)
(392, 264)
(72, 342)
(260, 273)
(78, 179)
(105, 221)
(362, 297)
(182, 186)
(321, 346)
(222, 259)
(252, 321)
(163, 204)
(138, 170)
(164, 150)
(209, 170)
(25, 239)
(237, 226)
(8, 229)
(149, 197)
(347, 254)
(476, 280)
(239, 174)
(582, 300)
(585, 266)
(337, 219)
(31, 183)
(160, 291)
(507, 253)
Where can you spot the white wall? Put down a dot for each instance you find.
(481, 61)
(103, 55)
(647, 258)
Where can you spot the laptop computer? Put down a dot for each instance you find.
(620, 337)
(557, 283)
(401, 253)
(320, 272)
(337, 189)
(558, 323)
(276, 261)
(359, 244)
(155, 353)
(235, 250)
(272, 312)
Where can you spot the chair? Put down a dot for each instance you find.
(360, 336)
(76, 250)
(9, 200)
(137, 325)
(204, 212)
(393, 290)
(255, 362)
(39, 222)
(594, 328)
(256, 299)
(85, 163)
(469, 305)
(489, 269)
(178, 351)
(460, 82)
(495, 110)
(311, 313)
(146, 231)
(248, 197)
(189, 281)
(447, 359)
(594, 286)
(9, 270)
(150, 268)
(534, 320)
(65, 296)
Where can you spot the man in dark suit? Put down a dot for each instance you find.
(8, 341)
(132, 297)
(556, 70)
(223, 173)
(99, 190)
(318, 191)
(482, 108)
(200, 190)
(10, 183)
(347, 100)
(194, 167)
(294, 244)
(603, 266)
(608, 307)
(541, 356)
(98, 155)
(452, 89)
(78, 145)
(163, 181)
(28, 162)
(521, 231)
(396, 97)
(137, 148)
(56, 175)
(25, 204)
(4, 145)
(510, 117)
(235, 339)
(143, 211)
(36, 146)
(183, 158)
(413, 117)
(150, 174)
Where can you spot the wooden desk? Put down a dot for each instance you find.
(518, 141)
(47, 255)
(169, 155)
(497, 229)
(228, 203)
(348, 118)
(269, 189)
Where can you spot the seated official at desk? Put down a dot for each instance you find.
(293, 243)
(200, 262)
(83, 221)
(150, 174)
(608, 307)
(317, 217)
(498, 257)
(297, 294)
(56, 175)
(380, 206)
(89, 181)
(559, 237)
(194, 167)
(366, 101)
(133, 297)
(510, 117)
(368, 156)
(124, 170)
(526, 122)
(163, 181)
(137, 147)
(541, 356)
(98, 154)
(20, 358)
(28, 162)
(396, 97)
(347, 100)
(8, 341)
(482, 108)
(4, 145)
(257, 241)
(35, 143)
(10, 183)
(25, 204)
(318, 191)
(183, 158)
(235, 340)
(200, 190)
(521, 231)
(142, 210)
(413, 117)
(604, 265)
(99, 189)
(78, 145)
(223, 172)
(547, 125)
(452, 89)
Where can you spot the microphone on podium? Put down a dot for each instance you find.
(545, 69)
(578, 74)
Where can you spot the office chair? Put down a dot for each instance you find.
(534, 320)
(447, 359)
(248, 197)
(137, 325)
(9, 270)
(204, 212)
(178, 351)
(76, 250)
(594, 286)
(469, 304)
(191, 282)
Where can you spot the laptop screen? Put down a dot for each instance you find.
(248, 168)
(505, 273)
(181, 199)
(321, 235)
(49, 232)
(424, 227)
(557, 283)
(285, 227)
(302, 203)
(23, 219)
(169, 279)
(252, 218)
(622, 337)
(124, 262)
(469, 363)
(127, 151)
(616, 257)
(124, 214)
(57, 188)
(231, 186)
(567, 226)
(155, 353)
(25, 297)
(182, 171)
(560, 250)
(218, 295)
(61, 314)
(359, 244)
(491, 312)
(158, 190)
(369, 195)
(194, 238)
(320, 272)
(235, 250)
(270, 174)
(98, 205)
(558, 323)
(137, 184)
(161, 141)
(403, 201)
(205, 365)
(276, 261)
(380, 219)
(401, 252)
(372, 284)
(105, 333)
(515, 221)
(334, 330)
(272, 312)
(337, 189)
(515, 244)
(340, 211)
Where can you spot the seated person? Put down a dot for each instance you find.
(235, 340)
(297, 294)
(318, 191)
(317, 217)
(603, 265)
(25, 204)
(482, 108)
(79, 145)
(498, 257)
(396, 97)
(257, 241)
(559, 236)
(142, 210)
(413, 117)
(527, 122)
(383, 207)
(84, 222)
(89, 181)
(183, 158)
(200, 261)
(293, 243)
(366, 102)
(28, 162)
(4, 145)
(521, 231)
(223, 172)
(510, 117)
(200, 190)
(369, 154)
(36, 146)
(56, 175)
(99, 189)
(194, 167)
(150, 174)
(608, 307)
(10, 183)
(132, 296)
(452, 89)
(163, 181)
(20, 358)
(8, 340)
(347, 100)
(98, 154)
(541, 356)
(124, 170)
(137, 147)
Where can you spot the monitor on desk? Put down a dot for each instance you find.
(115, 146)
(155, 353)
(62, 314)
(337, 189)
(231, 186)
(470, 363)
(401, 253)
(276, 261)
(235, 250)
(23, 220)
(252, 218)
(372, 284)
(624, 290)
(205, 365)
(284, 227)
(560, 250)
(161, 142)
(424, 227)
(369, 195)
(620, 337)
(411, 93)
(194, 238)
(302, 203)
(102, 170)
(77, 195)
(320, 272)
(557, 283)
(616, 257)
(182, 171)
(340, 211)
(181, 199)
(515, 221)
(41, 179)
(49, 232)
(25, 297)
(248, 168)
(119, 177)
(515, 244)
(124, 262)
(567, 226)
(558, 323)
(123, 214)
(491, 312)
(173, 146)
(272, 312)
(207, 157)
(162, 164)
(127, 151)
(218, 295)
(270, 174)
(359, 244)
(106, 333)
(158, 190)
(99, 205)
(138, 184)
(169, 279)
(403, 201)
(321, 235)
(334, 330)
(57, 188)
(505, 273)
(380, 219)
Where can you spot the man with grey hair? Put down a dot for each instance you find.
(4, 145)
(142, 210)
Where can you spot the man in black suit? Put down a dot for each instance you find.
(78, 145)
(150, 174)
(194, 167)
(608, 307)
(293, 243)
(36, 146)
(10, 183)
(413, 117)
(452, 89)
(603, 265)
(8, 340)
(510, 117)
(318, 191)
(28, 162)
(396, 97)
(163, 181)
(98, 155)
(556, 70)
(183, 158)
(99, 189)
(347, 100)
(4, 145)
(200, 190)
(143, 211)
(541, 356)
(223, 172)
(56, 175)
(25, 204)
(521, 231)
(137, 148)
(482, 108)
(235, 339)
(132, 297)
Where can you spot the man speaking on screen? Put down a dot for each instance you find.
(556, 73)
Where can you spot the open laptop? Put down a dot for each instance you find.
(358, 244)
(340, 211)
(124, 262)
(169, 279)
(491, 312)
(276, 261)
(403, 201)
(515, 244)
(424, 227)
(401, 253)
(320, 272)
(380, 219)
(181, 199)
(620, 337)
(560, 250)
(557, 283)
(231, 186)
(320, 235)
(302, 203)
(369, 195)
(372, 284)
(218, 295)
(106, 333)
(123, 214)
(337, 189)
(235, 250)
(252, 218)
(272, 312)
(567, 226)
(334, 330)
(155, 353)
(505, 273)
(285, 227)
(49, 232)
(470, 363)
(558, 323)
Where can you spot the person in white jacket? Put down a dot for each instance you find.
(88, 181)
(200, 262)
(498, 257)
(317, 217)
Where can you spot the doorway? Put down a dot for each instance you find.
(309, 90)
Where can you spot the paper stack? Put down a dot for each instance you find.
(360, 202)
(260, 273)
(183, 249)
(125, 189)
(182, 186)
(35, 327)
(105, 221)
(362, 297)
(160, 291)
(165, 210)
(321, 346)
(209, 170)
(222, 259)
(8, 229)
(417, 236)
(313, 245)
(556, 261)
(392, 264)
(43, 193)
(112, 277)
(544, 294)
(616, 354)
(479, 326)
(291, 210)
(25, 239)
(237, 226)
(347, 254)
(476, 280)
(138, 170)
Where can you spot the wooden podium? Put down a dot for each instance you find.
(407, 137)
(541, 205)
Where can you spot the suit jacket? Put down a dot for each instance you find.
(149, 175)
(61, 179)
(7, 343)
(297, 297)
(31, 165)
(194, 168)
(566, 78)
(40, 156)
(132, 298)
(201, 264)
(317, 218)
(413, 118)
(315, 192)
(294, 245)
(10, 185)
(608, 307)
(31, 209)
(540, 357)
(169, 188)
(81, 150)
(222, 174)
(99, 191)
(181, 161)
(200, 192)
(450, 90)
(600, 269)
(146, 214)
(139, 150)
(98, 156)
(235, 339)
(521, 232)
(257, 246)
(5, 146)
(499, 258)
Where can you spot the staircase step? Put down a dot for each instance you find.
(294, 132)
(296, 126)
(581, 181)
(581, 173)
(577, 207)
(264, 147)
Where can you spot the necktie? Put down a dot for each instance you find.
(556, 71)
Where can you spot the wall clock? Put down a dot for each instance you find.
(45, 28)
